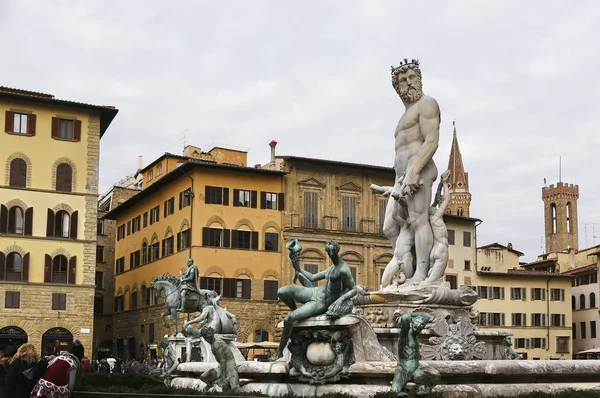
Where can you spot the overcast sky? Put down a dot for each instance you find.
(520, 78)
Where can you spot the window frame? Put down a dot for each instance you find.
(12, 299)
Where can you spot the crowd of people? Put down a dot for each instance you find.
(122, 366)
(50, 377)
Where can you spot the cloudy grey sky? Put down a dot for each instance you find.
(520, 78)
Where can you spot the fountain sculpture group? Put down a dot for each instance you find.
(342, 337)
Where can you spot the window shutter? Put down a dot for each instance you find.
(263, 200)
(50, 224)
(72, 270)
(524, 318)
(254, 240)
(502, 293)
(25, 273)
(502, 319)
(29, 221)
(281, 201)
(47, 269)
(73, 232)
(2, 265)
(163, 248)
(165, 209)
(562, 294)
(253, 199)
(178, 241)
(234, 239)
(543, 294)
(203, 283)
(207, 195)
(490, 292)
(31, 124)
(543, 319)
(523, 293)
(227, 238)
(3, 219)
(543, 343)
(205, 231)
(527, 343)
(77, 130)
(562, 320)
(225, 196)
(236, 198)
(180, 200)
(227, 287)
(246, 288)
(8, 123)
(55, 127)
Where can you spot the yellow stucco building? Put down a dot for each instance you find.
(208, 206)
(48, 207)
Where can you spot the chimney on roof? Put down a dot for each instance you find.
(273, 144)
(140, 162)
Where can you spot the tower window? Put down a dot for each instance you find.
(553, 211)
(568, 217)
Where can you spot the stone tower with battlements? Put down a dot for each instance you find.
(560, 216)
(460, 197)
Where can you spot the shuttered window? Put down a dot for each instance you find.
(349, 213)
(382, 207)
(271, 287)
(18, 173)
(311, 209)
(64, 177)
(59, 301)
(12, 299)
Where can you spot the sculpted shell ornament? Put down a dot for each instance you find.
(453, 341)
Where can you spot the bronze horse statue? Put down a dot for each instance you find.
(172, 288)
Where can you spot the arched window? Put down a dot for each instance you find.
(59, 269)
(18, 173)
(16, 220)
(581, 302)
(62, 221)
(14, 266)
(64, 177)
(568, 217)
(573, 302)
(134, 300)
(145, 295)
(459, 212)
(98, 304)
(553, 214)
(592, 300)
(260, 335)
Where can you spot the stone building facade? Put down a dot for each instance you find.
(48, 218)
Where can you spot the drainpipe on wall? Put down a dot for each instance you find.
(548, 314)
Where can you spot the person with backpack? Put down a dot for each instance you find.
(59, 379)
(17, 384)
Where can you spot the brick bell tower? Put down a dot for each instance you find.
(560, 216)
(460, 197)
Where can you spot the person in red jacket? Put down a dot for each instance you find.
(86, 367)
(59, 379)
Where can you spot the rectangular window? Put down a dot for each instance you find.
(154, 250)
(135, 224)
(241, 239)
(271, 241)
(270, 288)
(271, 201)
(215, 237)
(242, 199)
(100, 254)
(538, 294)
(562, 344)
(482, 319)
(574, 330)
(557, 294)
(349, 213)
(210, 283)
(185, 198)
(145, 219)
(313, 269)
(120, 265)
(518, 293)
(520, 343)
(20, 124)
(154, 214)
(169, 207)
(557, 319)
(100, 227)
(593, 329)
(497, 293)
(582, 330)
(66, 129)
(99, 280)
(519, 319)
(453, 281)
(12, 299)
(482, 291)
(236, 288)
(217, 196)
(382, 207)
(128, 227)
(466, 239)
(311, 210)
(538, 342)
(451, 237)
(168, 245)
(467, 265)
(184, 242)
(150, 175)
(495, 319)
(538, 319)
(59, 301)
(121, 232)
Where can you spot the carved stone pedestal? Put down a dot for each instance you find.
(183, 346)
(322, 349)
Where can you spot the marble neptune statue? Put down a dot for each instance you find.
(408, 210)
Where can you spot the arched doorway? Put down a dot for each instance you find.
(56, 340)
(12, 336)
